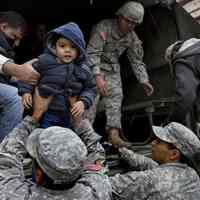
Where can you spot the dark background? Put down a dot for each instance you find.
(55, 13)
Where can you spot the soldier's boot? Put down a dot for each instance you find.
(115, 139)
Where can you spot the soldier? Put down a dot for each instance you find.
(109, 39)
(61, 169)
(170, 175)
(184, 58)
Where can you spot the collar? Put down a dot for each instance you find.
(115, 32)
(176, 164)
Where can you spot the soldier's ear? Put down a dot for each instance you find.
(120, 18)
(39, 176)
(175, 155)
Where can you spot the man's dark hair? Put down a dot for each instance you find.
(54, 38)
(13, 19)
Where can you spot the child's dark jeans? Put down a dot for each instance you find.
(56, 119)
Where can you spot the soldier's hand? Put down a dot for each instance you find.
(101, 85)
(40, 105)
(128, 156)
(78, 109)
(26, 73)
(148, 88)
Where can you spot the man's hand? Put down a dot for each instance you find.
(148, 88)
(101, 85)
(27, 100)
(40, 105)
(24, 72)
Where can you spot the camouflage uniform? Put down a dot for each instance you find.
(92, 140)
(14, 185)
(166, 181)
(104, 49)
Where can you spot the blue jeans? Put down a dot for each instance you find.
(55, 119)
(11, 109)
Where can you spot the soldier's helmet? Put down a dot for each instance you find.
(183, 139)
(132, 10)
(59, 152)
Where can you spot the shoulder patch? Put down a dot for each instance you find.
(103, 35)
(93, 167)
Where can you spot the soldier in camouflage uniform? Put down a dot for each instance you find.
(173, 172)
(109, 39)
(61, 168)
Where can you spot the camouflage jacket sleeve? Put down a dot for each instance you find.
(132, 185)
(91, 139)
(14, 143)
(135, 55)
(136, 161)
(95, 46)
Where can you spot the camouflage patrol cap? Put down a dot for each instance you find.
(59, 152)
(132, 10)
(180, 136)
